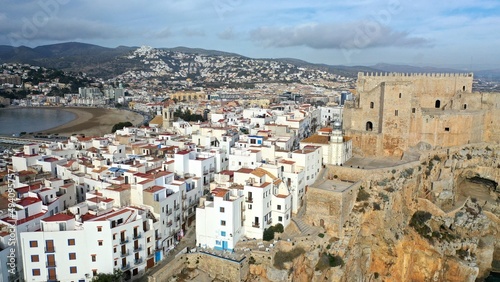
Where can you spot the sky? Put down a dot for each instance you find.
(458, 34)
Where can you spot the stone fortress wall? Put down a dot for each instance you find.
(392, 112)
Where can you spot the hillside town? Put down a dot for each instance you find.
(224, 164)
(137, 191)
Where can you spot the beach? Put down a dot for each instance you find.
(94, 121)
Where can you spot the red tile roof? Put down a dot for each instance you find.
(58, 217)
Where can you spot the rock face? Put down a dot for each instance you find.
(415, 222)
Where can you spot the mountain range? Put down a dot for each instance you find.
(108, 62)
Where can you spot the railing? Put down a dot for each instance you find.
(212, 169)
(169, 223)
(205, 171)
(50, 250)
(138, 261)
(137, 236)
(51, 264)
(184, 196)
(177, 206)
(169, 212)
(269, 221)
(125, 266)
(124, 254)
(138, 248)
(249, 200)
(123, 240)
(257, 225)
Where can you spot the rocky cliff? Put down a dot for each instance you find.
(436, 219)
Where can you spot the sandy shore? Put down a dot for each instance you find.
(94, 121)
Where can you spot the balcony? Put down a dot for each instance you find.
(137, 236)
(255, 224)
(177, 206)
(212, 169)
(123, 240)
(138, 261)
(169, 212)
(249, 200)
(205, 171)
(50, 250)
(169, 223)
(137, 249)
(184, 196)
(125, 266)
(269, 221)
(51, 264)
(124, 254)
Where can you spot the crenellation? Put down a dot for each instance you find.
(389, 116)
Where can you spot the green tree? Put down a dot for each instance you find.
(121, 125)
(116, 276)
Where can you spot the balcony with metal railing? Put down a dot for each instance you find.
(249, 199)
(137, 236)
(123, 240)
(137, 248)
(177, 206)
(256, 224)
(169, 223)
(124, 254)
(169, 212)
(125, 266)
(138, 261)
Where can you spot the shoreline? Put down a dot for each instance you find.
(90, 121)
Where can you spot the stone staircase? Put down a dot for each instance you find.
(305, 229)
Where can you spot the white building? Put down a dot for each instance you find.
(67, 250)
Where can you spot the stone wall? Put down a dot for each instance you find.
(393, 112)
(219, 268)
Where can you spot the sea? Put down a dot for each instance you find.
(16, 120)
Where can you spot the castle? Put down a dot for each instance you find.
(392, 112)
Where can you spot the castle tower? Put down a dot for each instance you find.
(168, 114)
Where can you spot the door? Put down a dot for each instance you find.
(224, 245)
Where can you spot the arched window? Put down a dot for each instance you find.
(463, 88)
(369, 126)
(465, 106)
(437, 105)
(371, 105)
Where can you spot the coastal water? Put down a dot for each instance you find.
(17, 120)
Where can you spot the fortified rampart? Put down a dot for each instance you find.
(392, 112)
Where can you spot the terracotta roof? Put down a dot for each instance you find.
(317, 139)
(28, 201)
(154, 189)
(58, 217)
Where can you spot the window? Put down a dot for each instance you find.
(279, 207)
(71, 242)
(72, 269)
(372, 105)
(99, 228)
(221, 209)
(369, 126)
(412, 110)
(99, 242)
(446, 129)
(400, 95)
(223, 222)
(33, 244)
(49, 246)
(35, 258)
(396, 112)
(437, 104)
(249, 206)
(36, 272)
(114, 236)
(465, 106)
(51, 261)
(93, 258)
(114, 250)
(280, 218)
(223, 233)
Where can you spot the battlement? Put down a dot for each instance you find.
(416, 75)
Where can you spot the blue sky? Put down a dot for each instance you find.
(460, 34)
